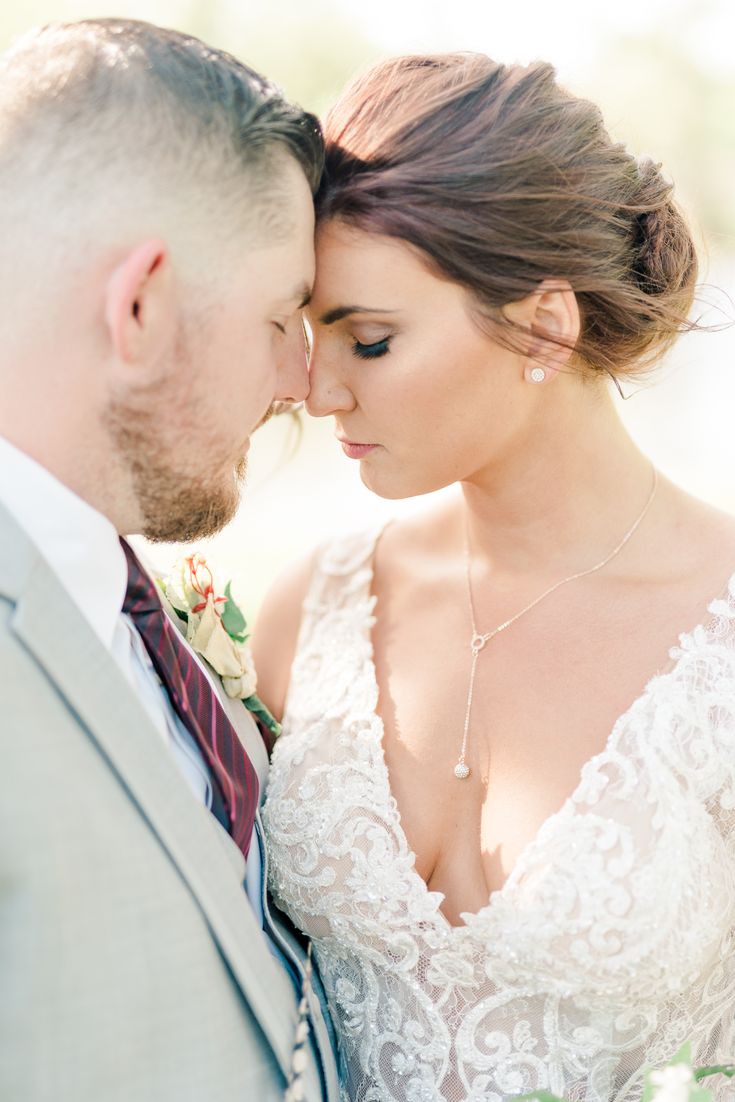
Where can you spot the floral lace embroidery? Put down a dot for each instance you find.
(610, 943)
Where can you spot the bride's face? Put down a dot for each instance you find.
(420, 395)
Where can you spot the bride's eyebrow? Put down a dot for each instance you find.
(340, 312)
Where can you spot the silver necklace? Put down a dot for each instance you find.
(480, 640)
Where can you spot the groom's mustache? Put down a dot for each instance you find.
(278, 408)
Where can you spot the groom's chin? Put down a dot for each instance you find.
(196, 511)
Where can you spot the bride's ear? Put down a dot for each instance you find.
(551, 317)
(139, 304)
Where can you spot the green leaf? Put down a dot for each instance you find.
(255, 705)
(684, 1055)
(717, 1069)
(233, 620)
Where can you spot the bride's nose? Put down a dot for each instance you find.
(328, 391)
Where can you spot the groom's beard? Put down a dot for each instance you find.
(177, 504)
(177, 507)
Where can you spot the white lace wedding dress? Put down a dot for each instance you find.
(611, 943)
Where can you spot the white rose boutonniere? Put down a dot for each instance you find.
(216, 629)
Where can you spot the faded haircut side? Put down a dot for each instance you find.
(112, 126)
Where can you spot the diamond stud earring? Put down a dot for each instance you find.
(537, 375)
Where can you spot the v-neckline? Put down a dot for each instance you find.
(676, 652)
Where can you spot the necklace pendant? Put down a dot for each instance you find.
(461, 771)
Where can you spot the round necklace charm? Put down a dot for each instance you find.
(461, 771)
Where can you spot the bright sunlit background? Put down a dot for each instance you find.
(663, 72)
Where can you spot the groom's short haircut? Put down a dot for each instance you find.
(106, 121)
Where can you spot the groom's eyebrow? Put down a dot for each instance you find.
(301, 296)
(340, 312)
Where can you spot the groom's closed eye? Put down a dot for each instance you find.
(300, 298)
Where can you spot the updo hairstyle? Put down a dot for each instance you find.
(503, 179)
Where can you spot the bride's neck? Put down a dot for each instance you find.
(564, 499)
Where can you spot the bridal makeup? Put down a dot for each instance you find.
(421, 396)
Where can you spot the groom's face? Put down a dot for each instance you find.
(186, 450)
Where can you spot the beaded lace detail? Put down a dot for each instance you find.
(610, 943)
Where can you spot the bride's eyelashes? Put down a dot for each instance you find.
(371, 351)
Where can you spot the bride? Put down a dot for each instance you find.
(503, 803)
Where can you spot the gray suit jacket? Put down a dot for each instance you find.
(132, 968)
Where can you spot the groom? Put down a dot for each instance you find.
(156, 224)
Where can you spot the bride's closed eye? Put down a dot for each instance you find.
(371, 351)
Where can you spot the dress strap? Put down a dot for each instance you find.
(342, 577)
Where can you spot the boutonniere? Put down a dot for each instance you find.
(216, 629)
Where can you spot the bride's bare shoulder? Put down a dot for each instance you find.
(702, 534)
(276, 631)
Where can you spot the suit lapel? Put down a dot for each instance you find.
(252, 740)
(65, 646)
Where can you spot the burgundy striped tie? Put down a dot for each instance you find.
(195, 702)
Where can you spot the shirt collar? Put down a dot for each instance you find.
(80, 545)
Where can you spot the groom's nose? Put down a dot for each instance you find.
(292, 371)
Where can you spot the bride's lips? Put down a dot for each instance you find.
(355, 450)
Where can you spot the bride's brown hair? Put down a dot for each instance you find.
(502, 179)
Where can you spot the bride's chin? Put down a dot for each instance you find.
(393, 489)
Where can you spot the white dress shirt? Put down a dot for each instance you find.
(83, 549)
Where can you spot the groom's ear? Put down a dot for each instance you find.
(139, 307)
